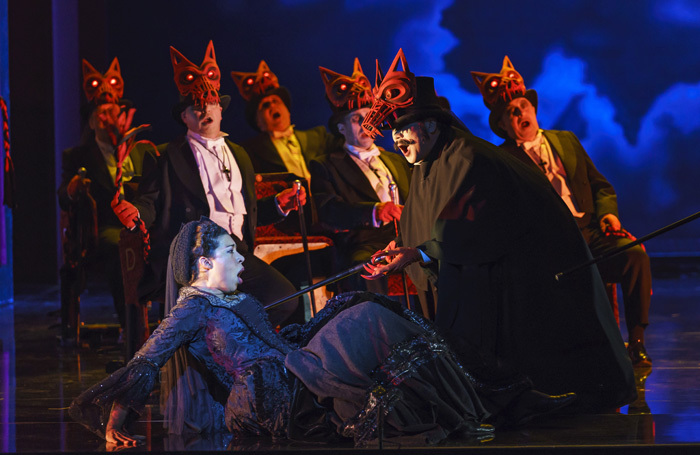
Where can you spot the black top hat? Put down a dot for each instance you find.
(426, 104)
(251, 108)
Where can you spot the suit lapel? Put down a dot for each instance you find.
(303, 139)
(353, 175)
(402, 183)
(567, 159)
(97, 168)
(186, 168)
(246, 169)
(271, 153)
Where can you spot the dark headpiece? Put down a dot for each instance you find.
(181, 250)
(401, 98)
(499, 89)
(253, 87)
(198, 85)
(103, 88)
(345, 93)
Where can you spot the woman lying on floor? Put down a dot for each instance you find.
(362, 360)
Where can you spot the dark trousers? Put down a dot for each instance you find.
(630, 268)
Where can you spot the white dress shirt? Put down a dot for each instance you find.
(376, 173)
(540, 151)
(222, 181)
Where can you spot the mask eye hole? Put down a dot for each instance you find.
(187, 78)
(391, 93)
(212, 73)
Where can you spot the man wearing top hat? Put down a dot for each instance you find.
(490, 234)
(279, 147)
(589, 196)
(352, 185)
(90, 169)
(204, 173)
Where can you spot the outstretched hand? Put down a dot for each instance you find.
(287, 199)
(116, 436)
(120, 439)
(391, 259)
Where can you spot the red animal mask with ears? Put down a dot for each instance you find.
(252, 84)
(498, 88)
(201, 83)
(351, 91)
(391, 92)
(103, 88)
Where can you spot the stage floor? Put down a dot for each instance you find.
(39, 378)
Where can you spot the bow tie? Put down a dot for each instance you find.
(206, 142)
(363, 154)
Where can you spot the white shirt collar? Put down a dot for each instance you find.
(207, 142)
(363, 154)
(282, 134)
(527, 145)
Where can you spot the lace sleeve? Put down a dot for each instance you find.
(131, 385)
(181, 326)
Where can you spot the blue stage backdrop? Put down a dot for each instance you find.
(624, 76)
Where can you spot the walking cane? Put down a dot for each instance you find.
(394, 192)
(617, 251)
(305, 243)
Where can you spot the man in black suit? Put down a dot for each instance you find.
(202, 173)
(587, 193)
(90, 169)
(279, 147)
(352, 184)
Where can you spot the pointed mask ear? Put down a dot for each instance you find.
(478, 78)
(400, 58)
(114, 66)
(327, 75)
(209, 55)
(379, 76)
(176, 57)
(507, 65)
(88, 69)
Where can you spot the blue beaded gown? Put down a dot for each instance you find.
(362, 359)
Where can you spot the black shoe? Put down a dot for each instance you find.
(476, 429)
(531, 404)
(638, 355)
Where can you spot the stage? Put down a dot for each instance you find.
(39, 378)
